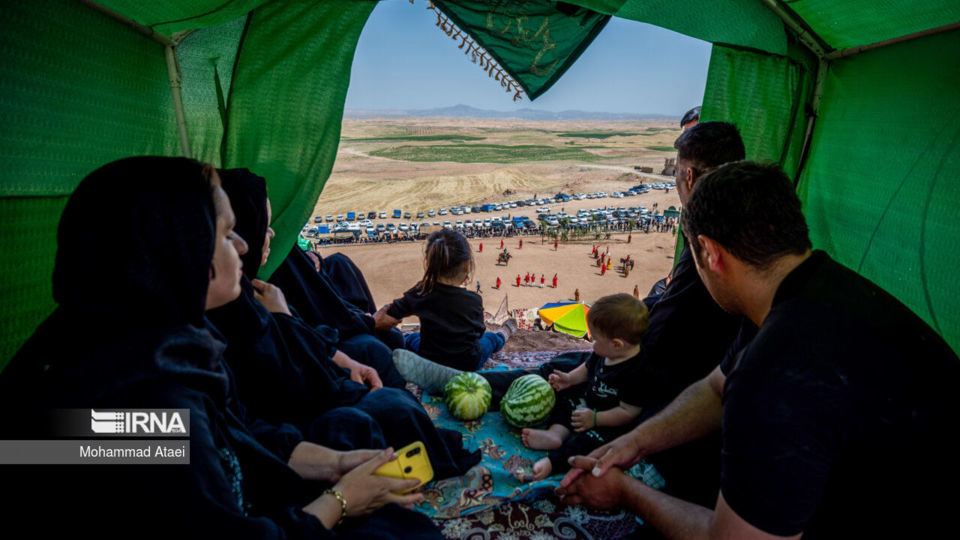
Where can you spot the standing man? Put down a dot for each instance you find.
(481, 247)
(554, 281)
(555, 244)
(840, 381)
(498, 282)
(521, 244)
(542, 280)
(501, 243)
(518, 280)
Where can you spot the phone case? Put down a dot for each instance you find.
(412, 462)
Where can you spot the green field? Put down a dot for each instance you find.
(596, 134)
(485, 153)
(415, 138)
(661, 148)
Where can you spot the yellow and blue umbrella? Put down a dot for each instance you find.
(567, 317)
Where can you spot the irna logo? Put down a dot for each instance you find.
(130, 422)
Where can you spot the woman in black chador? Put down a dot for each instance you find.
(283, 366)
(144, 245)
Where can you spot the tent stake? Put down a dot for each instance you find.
(173, 71)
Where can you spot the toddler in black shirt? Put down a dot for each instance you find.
(590, 411)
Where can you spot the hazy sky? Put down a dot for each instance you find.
(404, 61)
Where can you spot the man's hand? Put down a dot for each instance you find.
(270, 296)
(582, 420)
(559, 380)
(622, 452)
(382, 321)
(604, 492)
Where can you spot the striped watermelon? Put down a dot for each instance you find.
(528, 401)
(467, 396)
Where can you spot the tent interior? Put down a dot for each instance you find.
(855, 100)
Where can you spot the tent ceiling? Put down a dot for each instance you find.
(854, 23)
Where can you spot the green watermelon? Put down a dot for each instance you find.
(467, 396)
(528, 401)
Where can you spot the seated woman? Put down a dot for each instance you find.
(283, 367)
(347, 277)
(319, 301)
(143, 245)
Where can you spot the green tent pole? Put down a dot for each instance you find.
(173, 66)
(173, 71)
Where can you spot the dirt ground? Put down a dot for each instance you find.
(360, 181)
(391, 269)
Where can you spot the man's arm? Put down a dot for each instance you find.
(672, 517)
(696, 412)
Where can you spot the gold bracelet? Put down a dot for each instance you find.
(343, 503)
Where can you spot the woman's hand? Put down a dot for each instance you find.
(316, 462)
(365, 492)
(270, 296)
(360, 373)
(382, 321)
(582, 420)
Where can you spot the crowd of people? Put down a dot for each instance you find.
(777, 392)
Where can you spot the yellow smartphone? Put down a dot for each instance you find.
(412, 462)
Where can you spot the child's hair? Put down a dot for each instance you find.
(619, 316)
(447, 251)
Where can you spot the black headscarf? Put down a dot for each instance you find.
(137, 237)
(248, 197)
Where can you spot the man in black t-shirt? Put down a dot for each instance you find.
(836, 416)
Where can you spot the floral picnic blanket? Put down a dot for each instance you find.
(495, 499)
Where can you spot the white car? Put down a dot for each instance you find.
(404, 227)
(383, 215)
(366, 223)
(446, 225)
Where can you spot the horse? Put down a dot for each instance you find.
(504, 258)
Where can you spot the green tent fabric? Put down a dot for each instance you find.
(263, 85)
(264, 90)
(535, 41)
(742, 23)
(880, 188)
(853, 23)
(766, 96)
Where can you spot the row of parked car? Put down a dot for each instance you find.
(361, 221)
(595, 216)
(361, 217)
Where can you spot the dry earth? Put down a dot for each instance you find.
(365, 182)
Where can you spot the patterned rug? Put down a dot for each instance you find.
(494, 500)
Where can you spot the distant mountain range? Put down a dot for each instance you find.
(466, 111)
